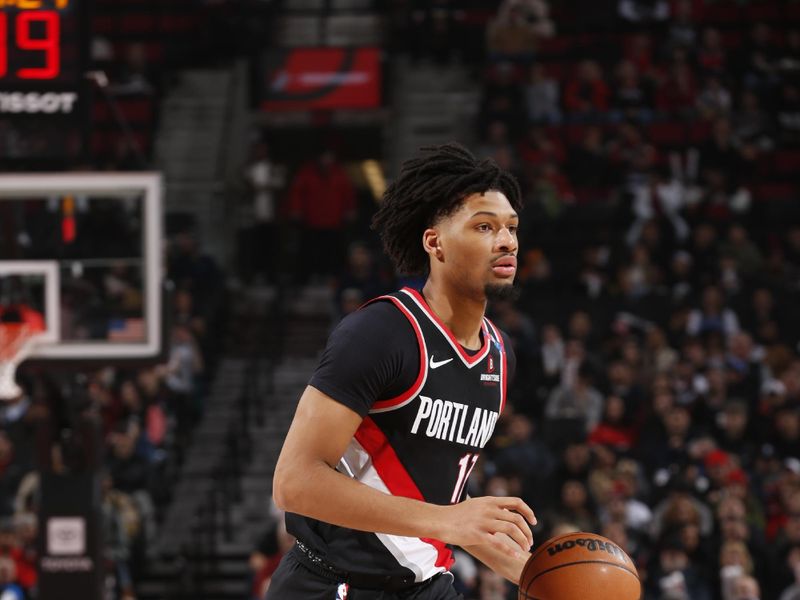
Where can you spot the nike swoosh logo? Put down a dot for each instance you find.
(435, 364)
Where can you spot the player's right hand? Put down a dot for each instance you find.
(477, 520)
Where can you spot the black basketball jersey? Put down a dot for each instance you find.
(421, 444)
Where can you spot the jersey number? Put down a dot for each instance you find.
(465, 466)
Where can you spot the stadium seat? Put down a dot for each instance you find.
(699, 132)
(721, 13)
(762, 11)
(771, 192)
(787, 163)
(667, 133)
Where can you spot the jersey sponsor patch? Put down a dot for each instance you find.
(342, 591)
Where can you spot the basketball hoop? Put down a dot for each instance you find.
(17, 341)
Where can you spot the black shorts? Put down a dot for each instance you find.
(294, 581)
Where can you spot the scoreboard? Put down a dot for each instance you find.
(43, 55)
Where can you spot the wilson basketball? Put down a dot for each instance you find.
(579, 566)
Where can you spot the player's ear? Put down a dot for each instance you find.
(432, 243)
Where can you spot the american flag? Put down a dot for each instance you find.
(126, 330)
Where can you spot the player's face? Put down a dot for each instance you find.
(477, 245)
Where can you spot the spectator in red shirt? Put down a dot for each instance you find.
(322, 202)
(613, 429)
(711, 55)
(9, 547)
(587, 95)
(678, 95)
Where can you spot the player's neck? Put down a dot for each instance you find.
(462, 315)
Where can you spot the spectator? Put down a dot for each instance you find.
(574, 506)
(542, 96)
(643, 11)
(551, 356)
(712, 316)
(538, 148)
(660, 199)
(551, 190)
(129, 471)
(258, 244)
(322, 202)
(9, 588)
(638, 50)
(586, 97)
(116, 545)
(757, 63)
(763, 315)
(515, 32)
(752, 127)
(735, 562)
(673, 577)
(788, 115)
(632, 154)
(362, 275)
(497, 141)
(743, 251)
(632, 98)
(502, 100)
(11, 473)
(614, 429)
(714, 100)
(720, 152)
(788, 60)
(577, 400)
(711, 56)
(746, 588)
(271, 547)
(677, 96)
(20, 565)
(432, 31)
(792, 592)
(682, 31)
(588, 162)
(135, 74)
(527, 456)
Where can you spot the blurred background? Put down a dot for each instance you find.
(657, 142)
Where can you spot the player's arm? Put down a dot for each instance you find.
(509, 563)
(307, 483)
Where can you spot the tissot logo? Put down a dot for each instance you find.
(38, 103)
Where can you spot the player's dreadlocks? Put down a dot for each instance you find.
(429, 187)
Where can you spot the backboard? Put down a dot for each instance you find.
(85, 251)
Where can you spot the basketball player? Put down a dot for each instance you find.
(374, 468)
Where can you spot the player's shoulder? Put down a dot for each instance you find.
(377, 317)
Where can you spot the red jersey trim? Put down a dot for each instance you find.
(504, 363)
(397, 480)
(407, 396)
(469, 361)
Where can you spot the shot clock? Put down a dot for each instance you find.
(43, 53)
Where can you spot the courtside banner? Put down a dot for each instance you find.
(321, 78)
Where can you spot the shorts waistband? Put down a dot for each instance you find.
(389, 583)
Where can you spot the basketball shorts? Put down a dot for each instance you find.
(293, 580)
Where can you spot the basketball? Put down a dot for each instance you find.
(579, 566)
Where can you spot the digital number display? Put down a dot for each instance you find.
(39, 41)
(44, 49)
